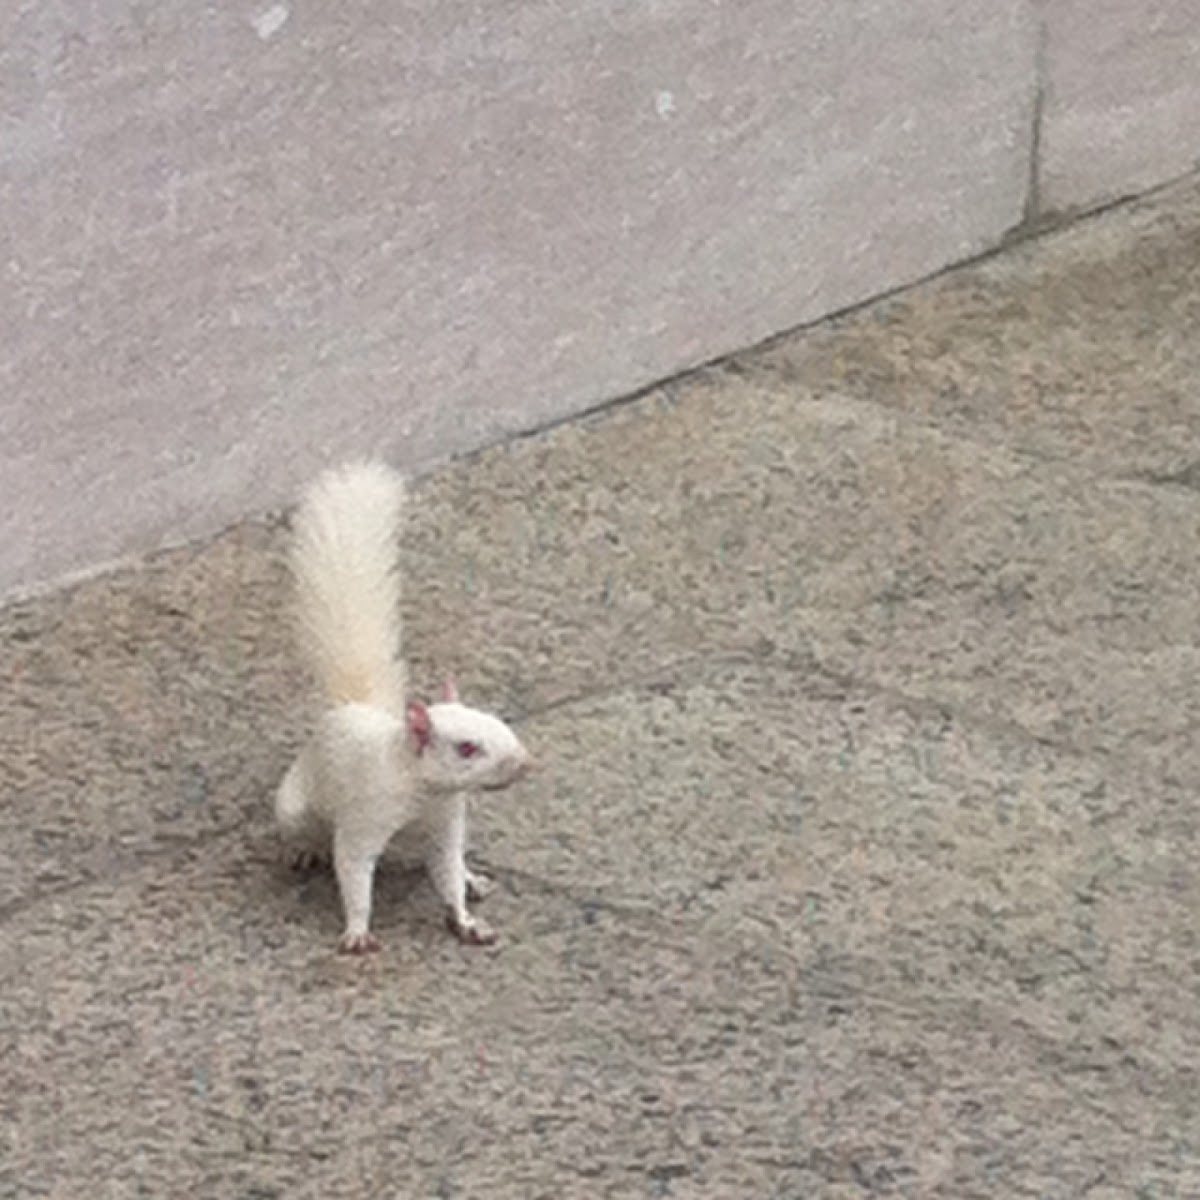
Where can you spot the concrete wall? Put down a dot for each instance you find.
(1121, 98)
(243, 239)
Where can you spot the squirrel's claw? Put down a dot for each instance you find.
(472, 931)
(359, 943)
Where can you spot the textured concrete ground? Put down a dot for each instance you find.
(865, 859)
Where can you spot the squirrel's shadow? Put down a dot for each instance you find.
(403, 902)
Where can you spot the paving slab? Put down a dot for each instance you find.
(863, 861)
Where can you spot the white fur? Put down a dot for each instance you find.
(368, 770)
(345, 571)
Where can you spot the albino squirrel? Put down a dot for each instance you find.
(378, 761)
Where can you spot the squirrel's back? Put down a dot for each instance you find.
(345, 568)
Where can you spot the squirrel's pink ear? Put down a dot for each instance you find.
(420, 727)
(450, 692)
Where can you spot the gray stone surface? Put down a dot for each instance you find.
(240, 239)
(1121, 108)
(864, 861)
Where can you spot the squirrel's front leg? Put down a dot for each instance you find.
(448, 871)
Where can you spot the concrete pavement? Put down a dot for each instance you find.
(864, 668)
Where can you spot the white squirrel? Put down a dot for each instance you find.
(378, 761)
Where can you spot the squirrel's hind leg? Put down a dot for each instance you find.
(306, 838)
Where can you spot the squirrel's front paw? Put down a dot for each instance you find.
(471, 931)
(359, 943)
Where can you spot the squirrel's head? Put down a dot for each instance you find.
(458, 747)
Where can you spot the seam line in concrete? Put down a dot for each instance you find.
(1033, 195)
(1022, 234)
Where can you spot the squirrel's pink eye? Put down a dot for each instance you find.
(467, 749)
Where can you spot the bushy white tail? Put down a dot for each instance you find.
(344, 559)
